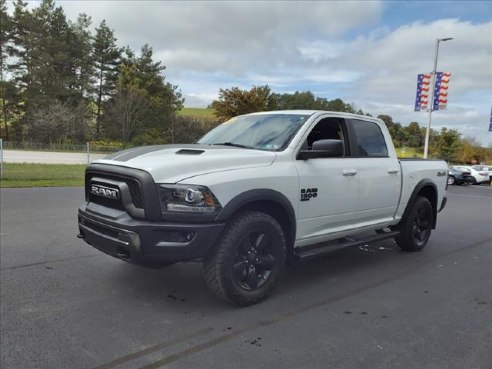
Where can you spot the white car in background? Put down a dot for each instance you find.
(478, 176)
(484, 168)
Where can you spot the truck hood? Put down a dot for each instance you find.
(175, 163)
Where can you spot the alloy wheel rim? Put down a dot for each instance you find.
(254, 262)
(421, 226)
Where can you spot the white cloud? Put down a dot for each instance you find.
(409, 50)
(321, 50)
(390, 65)
(233, 36)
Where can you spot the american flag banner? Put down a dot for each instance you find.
(490, 121)
(423, 88)
(441, 91)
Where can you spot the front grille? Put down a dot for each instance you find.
(140, 193)
(106, 201)
(133, 185)
(135, 193)
(104, 230)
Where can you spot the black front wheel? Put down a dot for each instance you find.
(245, 265)
(416, 228)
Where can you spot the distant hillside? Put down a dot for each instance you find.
(198, 113)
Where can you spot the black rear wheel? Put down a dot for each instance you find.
(246, 263)
(416, 228)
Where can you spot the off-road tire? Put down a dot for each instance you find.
(416, 228)
(220, 265)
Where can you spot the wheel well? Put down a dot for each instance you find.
(430, 193)
(277, 211)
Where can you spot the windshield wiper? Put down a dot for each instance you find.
(233, 144)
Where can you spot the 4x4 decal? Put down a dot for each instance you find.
(307, 193)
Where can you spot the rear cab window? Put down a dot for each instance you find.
(369, 139)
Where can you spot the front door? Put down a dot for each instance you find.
(329, 188)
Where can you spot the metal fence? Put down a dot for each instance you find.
(68, 153)
(56, 147)
(1, 159)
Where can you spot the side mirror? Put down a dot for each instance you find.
(323, 149)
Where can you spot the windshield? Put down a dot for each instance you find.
(271, 132)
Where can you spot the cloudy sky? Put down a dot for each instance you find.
(365, 52)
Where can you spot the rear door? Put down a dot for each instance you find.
(379, 175)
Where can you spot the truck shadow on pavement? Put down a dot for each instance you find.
(182, 286)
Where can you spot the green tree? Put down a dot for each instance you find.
(151, 103)
(51, 55)
(297, 100)
(5, 29)
(106, 57)
(339, 105)
(414, 135)
(449, 145)
(234, 101)
(10, 103)
(63, 64)
(307, 100)
(472, 152)
(388, 120)
(21, 49)
(80, 62)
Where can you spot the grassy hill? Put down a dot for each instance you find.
(410, 152)
(198, 113)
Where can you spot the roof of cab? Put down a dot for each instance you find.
(319, 112)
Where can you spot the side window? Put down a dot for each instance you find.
(325, 129)
(370, 139)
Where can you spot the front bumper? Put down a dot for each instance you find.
(146, 243)
(464, 180)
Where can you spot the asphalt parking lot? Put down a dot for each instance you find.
(65, 305)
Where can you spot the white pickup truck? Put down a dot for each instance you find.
(257, 191)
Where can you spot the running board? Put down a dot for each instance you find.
(327, 247)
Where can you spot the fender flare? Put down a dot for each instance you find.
(426, 182)
(262, 194)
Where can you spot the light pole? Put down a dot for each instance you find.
(433, 82)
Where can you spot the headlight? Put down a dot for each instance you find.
(188, 199)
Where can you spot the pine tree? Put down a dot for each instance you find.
(22, 46)
(143, 98)
(81, 64)
(5, 28)
(106, 56)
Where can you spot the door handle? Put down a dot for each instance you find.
(349, 172)
(393, 171)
